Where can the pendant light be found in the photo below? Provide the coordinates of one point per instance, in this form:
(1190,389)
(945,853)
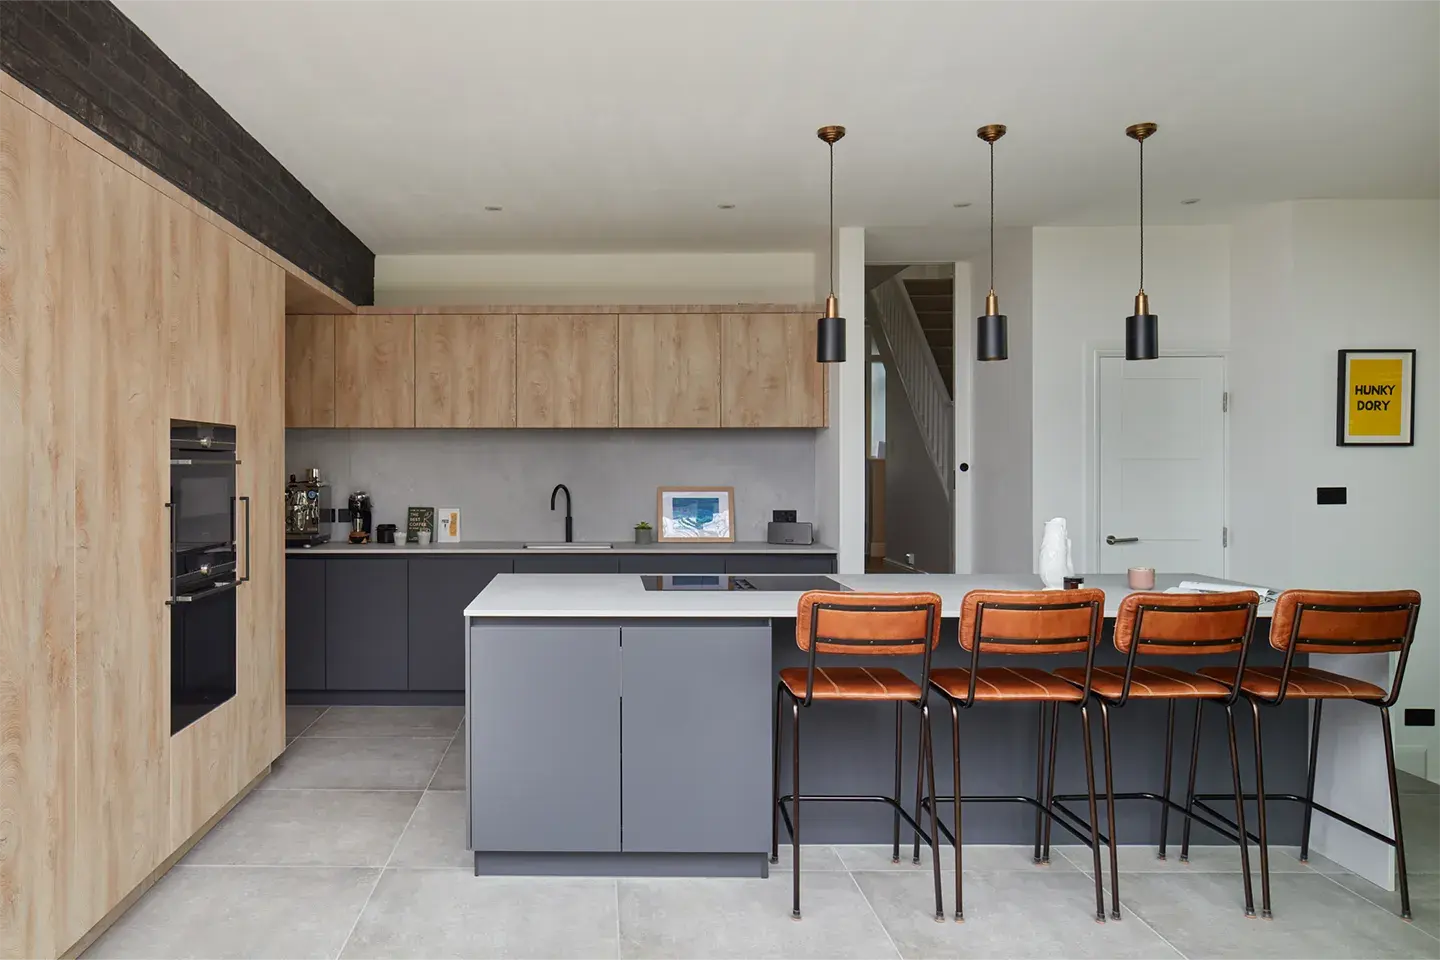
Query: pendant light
(1142,331)
(992,341)
(830,339)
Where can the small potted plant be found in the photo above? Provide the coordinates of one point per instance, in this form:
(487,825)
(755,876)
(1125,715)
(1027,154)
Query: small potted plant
(644,533)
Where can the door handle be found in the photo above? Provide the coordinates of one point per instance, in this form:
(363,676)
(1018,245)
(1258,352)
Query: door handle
(1112,539)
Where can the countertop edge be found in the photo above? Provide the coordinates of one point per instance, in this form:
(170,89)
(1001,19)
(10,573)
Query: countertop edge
(342,549)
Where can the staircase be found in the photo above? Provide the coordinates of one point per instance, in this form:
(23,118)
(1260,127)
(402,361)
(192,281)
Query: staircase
(934,303)
(908,352)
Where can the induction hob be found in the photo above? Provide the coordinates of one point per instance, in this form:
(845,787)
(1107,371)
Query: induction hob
(765,582)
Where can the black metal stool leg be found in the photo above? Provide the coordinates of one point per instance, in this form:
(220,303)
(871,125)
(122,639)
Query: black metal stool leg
(1110,810)
(1190,788)
(1094,814)
(1165,791)
(955,758)
(921,799)
(1260,811)
(1239,804)
(1050,782)
(1039,775)
(929,761)
(1310,784)
(795,804)
(899,751)
(1401,876)
(775,779)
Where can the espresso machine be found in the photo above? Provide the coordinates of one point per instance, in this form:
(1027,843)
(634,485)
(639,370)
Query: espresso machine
(307,510)
(361,512)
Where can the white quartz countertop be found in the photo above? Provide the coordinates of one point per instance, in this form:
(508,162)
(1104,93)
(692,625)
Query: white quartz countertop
(620,595)
(344,548)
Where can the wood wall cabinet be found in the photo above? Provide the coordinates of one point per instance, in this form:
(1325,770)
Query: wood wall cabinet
(670,370)
(465,370)
(566,370)
(375,371)
(310,371)
(769,377)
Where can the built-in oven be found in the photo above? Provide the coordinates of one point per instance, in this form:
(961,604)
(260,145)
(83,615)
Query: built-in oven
(205,514)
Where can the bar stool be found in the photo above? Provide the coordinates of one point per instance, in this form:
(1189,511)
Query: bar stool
(1173,625)
(1023,623)
(858,624)
(1329,622)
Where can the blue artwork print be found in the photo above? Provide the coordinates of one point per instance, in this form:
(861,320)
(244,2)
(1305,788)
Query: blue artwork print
(694,513)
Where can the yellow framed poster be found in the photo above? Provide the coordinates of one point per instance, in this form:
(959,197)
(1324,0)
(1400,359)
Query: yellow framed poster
(1376,403)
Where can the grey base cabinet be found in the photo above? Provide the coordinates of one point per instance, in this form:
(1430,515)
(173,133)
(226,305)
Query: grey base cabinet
(780,563)
(365,624)
(695,749)
(544,727)
(304,624)
(439,590)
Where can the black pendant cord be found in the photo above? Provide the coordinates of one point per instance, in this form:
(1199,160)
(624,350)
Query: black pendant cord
(1142,216)
(992,216)
(832,219)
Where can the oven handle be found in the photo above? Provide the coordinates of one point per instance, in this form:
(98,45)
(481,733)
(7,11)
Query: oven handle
(221,587)
(246,577)
(216,461)
(174,550)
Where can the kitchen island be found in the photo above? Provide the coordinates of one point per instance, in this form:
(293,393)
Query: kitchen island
(619,730)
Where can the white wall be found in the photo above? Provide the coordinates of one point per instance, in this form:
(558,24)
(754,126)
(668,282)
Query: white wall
(1084,283)
(840,447)
(618,278)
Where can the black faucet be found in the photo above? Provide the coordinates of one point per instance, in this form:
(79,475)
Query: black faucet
(569,521)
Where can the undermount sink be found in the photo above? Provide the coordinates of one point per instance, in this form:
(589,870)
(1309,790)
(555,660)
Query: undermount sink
(560,545)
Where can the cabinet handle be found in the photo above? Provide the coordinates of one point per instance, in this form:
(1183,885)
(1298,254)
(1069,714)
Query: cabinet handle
(174,548)
(246,577)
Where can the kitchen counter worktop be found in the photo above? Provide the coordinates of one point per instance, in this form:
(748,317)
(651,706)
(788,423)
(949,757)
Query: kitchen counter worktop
(623,595)
(344,548)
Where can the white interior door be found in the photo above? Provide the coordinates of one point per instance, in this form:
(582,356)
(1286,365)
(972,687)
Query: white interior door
(1162,465)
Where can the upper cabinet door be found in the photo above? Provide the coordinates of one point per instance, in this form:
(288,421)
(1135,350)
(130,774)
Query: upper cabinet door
(309,371)
(566,370)
(670,370)
(375,371)
(464,371)
(769,377)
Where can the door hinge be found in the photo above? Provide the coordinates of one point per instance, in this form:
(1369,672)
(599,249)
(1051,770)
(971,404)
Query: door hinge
(1224,536)
(1225,402)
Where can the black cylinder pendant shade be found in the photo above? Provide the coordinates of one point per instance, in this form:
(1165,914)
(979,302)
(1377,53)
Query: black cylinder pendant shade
(1142,337)
(830,340)
(992,339)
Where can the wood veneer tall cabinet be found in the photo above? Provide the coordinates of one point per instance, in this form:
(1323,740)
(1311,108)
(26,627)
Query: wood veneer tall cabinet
(309,371)
(465,370)
(566,370)
(120,309)
(768,373)
(375,370)
(670,370)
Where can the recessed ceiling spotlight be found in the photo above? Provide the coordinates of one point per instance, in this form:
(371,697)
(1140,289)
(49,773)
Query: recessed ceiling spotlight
(493,209)
(962,205)
(725,206)
(1191,201)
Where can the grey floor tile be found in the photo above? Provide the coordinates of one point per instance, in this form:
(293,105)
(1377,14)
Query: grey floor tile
(1409,783)
(383,763)
(1424,898)
(748,918)
(447,913)
(1420,818)
(1220,858)
(339,828)
(813,856)
(299,719)
(1008,913)
(241,912)
(388,722)
(435,836)
(451,775)
(1202,916)
(976,856)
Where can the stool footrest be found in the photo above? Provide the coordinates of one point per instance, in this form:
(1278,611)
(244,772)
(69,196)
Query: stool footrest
(998,798)
(852,798)
(1294,798)
(1228,834)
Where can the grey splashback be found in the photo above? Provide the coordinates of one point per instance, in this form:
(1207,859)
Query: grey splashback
(501,479)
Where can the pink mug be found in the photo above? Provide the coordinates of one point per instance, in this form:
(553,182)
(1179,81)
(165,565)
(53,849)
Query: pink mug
(1142,578)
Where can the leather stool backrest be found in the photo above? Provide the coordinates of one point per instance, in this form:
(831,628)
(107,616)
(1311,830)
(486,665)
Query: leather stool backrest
(1334,621)
(892,624)
(1031,621)
(1185,624)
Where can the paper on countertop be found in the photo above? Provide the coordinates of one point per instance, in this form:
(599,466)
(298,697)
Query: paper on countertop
(1200,586)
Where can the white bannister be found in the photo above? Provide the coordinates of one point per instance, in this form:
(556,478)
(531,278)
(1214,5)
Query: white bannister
(903,346)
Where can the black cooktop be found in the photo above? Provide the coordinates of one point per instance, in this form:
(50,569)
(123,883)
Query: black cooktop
(767,582)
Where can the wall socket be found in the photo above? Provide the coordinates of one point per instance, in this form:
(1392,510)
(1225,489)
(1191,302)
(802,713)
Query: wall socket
(1419,717)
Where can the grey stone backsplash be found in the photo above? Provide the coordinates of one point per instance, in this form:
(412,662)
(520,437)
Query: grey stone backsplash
(501,479)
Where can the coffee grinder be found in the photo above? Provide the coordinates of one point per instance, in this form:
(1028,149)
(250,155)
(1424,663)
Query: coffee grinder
(360,516)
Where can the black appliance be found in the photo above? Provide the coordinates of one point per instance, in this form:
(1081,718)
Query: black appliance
(768,583)
(361,514)
(204,567)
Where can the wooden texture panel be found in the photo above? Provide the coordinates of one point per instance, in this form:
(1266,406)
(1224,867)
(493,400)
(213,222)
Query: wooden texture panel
(122,473)
(375,371)
(769,377)
(566,370)
(310,371)
(670,370)
(465,371)
(203,280)
(40,224)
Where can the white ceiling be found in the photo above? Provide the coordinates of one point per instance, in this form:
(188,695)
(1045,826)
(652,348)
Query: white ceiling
(603,126)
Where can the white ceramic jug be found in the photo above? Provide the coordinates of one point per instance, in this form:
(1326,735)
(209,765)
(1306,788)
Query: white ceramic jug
(1055,563)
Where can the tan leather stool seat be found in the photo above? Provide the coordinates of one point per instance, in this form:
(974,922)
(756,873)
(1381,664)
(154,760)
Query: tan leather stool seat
(1005,683)
(1150,683)
(1306,683)
(852,683)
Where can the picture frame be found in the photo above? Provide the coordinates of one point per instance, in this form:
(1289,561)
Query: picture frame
(447,524)
(1375,398)
(695,514)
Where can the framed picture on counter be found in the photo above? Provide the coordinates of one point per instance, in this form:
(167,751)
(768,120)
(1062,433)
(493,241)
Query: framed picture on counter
(447,520)
(1376,402)
(695,514)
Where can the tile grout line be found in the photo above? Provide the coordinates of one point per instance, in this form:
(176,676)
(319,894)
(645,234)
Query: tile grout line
(873,912)
(619,952)
(1381,906)
(436,772)
(323,711)
(380,874)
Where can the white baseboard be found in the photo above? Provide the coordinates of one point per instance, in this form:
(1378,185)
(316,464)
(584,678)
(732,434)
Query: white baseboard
(1411,759)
